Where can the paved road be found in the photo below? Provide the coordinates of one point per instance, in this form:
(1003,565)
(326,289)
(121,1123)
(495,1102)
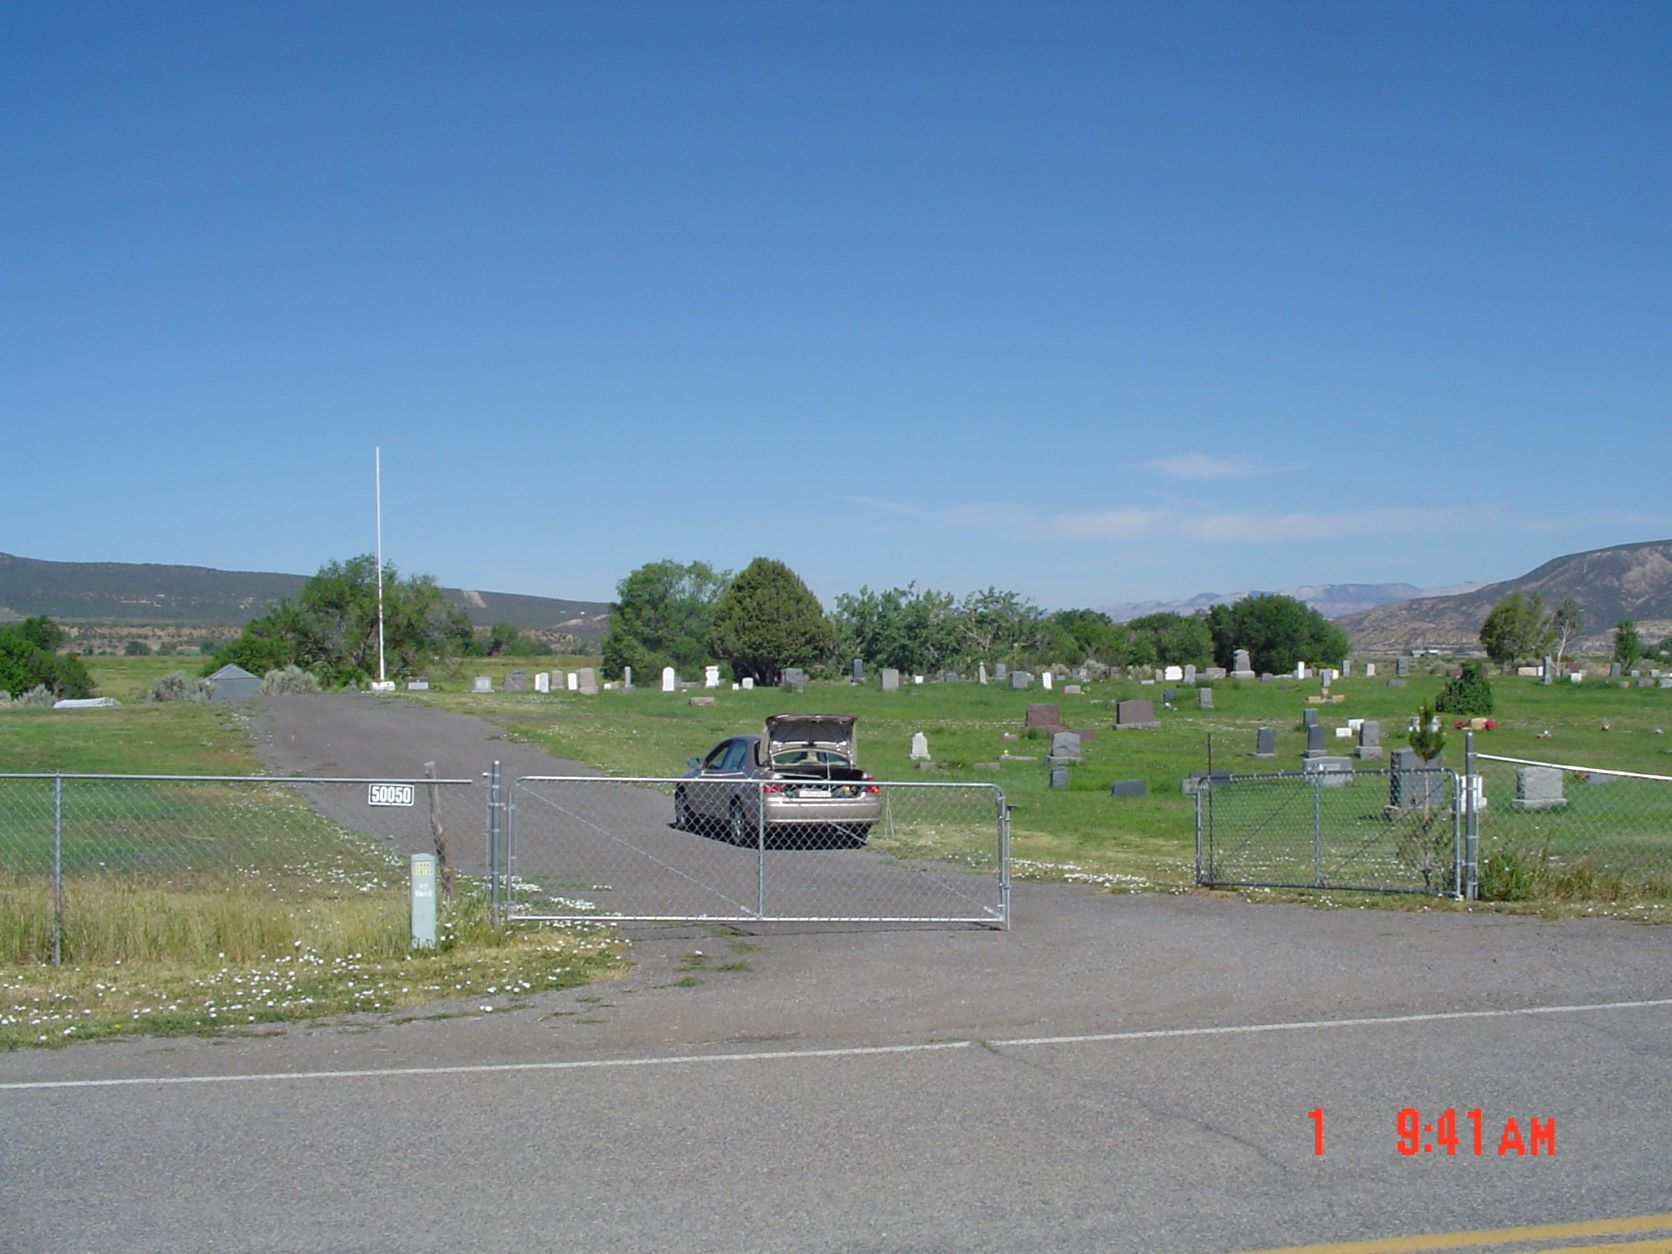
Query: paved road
(1117,1073)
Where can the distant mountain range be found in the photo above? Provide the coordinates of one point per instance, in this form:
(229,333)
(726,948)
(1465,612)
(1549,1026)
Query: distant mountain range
(124,594)
(1626,581)
(1332,600)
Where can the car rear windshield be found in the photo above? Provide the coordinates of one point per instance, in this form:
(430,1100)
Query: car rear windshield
(810,757)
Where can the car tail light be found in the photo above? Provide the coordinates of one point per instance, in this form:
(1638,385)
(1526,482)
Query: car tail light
(772,788)
(873,789)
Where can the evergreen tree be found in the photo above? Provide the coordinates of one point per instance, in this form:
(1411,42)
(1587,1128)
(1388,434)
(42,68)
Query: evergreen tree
(767,619)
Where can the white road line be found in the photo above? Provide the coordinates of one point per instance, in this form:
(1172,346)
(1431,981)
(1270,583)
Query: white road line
(858,1051)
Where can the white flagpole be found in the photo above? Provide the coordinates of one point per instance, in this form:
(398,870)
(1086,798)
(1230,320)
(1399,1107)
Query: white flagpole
(377,455)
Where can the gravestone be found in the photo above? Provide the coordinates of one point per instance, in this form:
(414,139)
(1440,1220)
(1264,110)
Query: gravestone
(1329,772)
(670,680)
(981,673)
(1065,748)
(1135,715)
(1370,670)
(482,684)
(1615,670)
(573,681)
(1080,674)
(1045,679)
(586,681)
(949,677)
(1059,777)
(1346,668)
(1317,737)
(1189,674)
(1204,698)
(542,681)
(1538,788)
(795,679)
(627,678)
(1020,679)
(1414,783)
(1000,671)
(1243,668)
(702,701)
(1169,694)
(1215,672)
(1309,716)
(417,685)
(1549,671)
(1398,683)
(748,683)
(1044,716)
(1301,671)
(918,680)
(856,672)
(890,679)
(1172,674)
(1128,788)
(516,681)
(1402,667)
(1265,743)
(919,747)
(711,677)
(1369,741)
(1074,690)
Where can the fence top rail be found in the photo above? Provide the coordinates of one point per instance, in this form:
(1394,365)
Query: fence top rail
(692,779)
(1585,770)
(1259,776)
(234,779)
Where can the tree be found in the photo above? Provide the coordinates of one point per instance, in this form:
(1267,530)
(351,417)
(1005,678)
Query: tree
(1426,737)
(661,617)
(1470,693)
(995,623)
(331,628)
(136,648)
(1566,624)
(29,659)
(1627,647)
(765,620)
(1517,626)
(1172,639)
(1278,631)
(903,628)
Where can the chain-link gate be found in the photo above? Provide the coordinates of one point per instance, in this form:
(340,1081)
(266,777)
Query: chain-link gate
(1392,830)
(683,850)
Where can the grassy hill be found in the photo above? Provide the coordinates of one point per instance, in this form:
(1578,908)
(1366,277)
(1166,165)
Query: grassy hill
(134,595)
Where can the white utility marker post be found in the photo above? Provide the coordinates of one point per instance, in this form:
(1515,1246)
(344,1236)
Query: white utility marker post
(423,901)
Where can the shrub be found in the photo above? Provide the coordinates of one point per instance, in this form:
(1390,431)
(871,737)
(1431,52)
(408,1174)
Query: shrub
(288,679)
(1427,738)
(1469,693)
(39,697)
(136,648)
(177,686)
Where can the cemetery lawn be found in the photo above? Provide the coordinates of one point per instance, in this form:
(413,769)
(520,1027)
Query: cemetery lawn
(1082,833)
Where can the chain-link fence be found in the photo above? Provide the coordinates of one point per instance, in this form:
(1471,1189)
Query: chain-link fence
(1394,830)
(88,856)
(745,851)
(1547,830)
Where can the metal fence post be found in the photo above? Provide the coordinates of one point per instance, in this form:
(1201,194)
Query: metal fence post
(57,870)
(1197,799)
(493,843)
(1317,832)
(1469,874)
(1004,861)
(760,851)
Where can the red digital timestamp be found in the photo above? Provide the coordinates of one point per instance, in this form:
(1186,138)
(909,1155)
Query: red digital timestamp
(1470,1133)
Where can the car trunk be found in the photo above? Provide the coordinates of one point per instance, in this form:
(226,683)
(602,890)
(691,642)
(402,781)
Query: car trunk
(816,734)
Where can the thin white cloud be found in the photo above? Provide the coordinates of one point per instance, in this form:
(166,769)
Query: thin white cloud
(1200,466)
(1170,522)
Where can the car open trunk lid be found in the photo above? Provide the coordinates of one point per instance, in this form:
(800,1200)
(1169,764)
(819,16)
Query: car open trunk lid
(810,731)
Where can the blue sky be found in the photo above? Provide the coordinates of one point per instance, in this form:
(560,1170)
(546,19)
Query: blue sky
(1094,302)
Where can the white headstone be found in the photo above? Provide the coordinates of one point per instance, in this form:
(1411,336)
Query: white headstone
(1370,670)
(483,684)
(917,679)
(1301,672)
(1173,674)
(573,680)
(1045,678)
(711,677)
(670,680)
(748,683)
(542,681)
(981,672)
(919,747)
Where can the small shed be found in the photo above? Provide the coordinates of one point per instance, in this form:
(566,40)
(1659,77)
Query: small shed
(232,683)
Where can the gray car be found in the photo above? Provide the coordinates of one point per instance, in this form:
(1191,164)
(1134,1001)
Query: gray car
(799,776)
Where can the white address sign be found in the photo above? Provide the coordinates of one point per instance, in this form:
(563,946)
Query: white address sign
(391,794)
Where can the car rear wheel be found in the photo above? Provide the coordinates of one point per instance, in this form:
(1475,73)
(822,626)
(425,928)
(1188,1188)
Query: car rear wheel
(738,830)
(683,819)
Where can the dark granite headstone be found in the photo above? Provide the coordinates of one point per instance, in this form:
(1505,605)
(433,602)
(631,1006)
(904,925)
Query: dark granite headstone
(1204,698)
(1042,715)
(856,672)
(1414,783)
(1265,743)
(1317,744)
(1136,713)
(795,679)
(1059,777)
(1128,788)
(516,681)
(1309,717)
